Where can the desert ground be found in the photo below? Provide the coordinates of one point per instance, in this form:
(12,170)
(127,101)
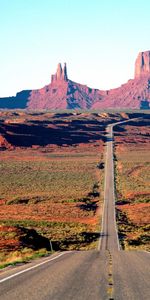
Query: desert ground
(132,167)
(52,181)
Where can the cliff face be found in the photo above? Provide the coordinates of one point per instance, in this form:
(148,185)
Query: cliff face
(134,94)
(19,101)
(63,93)
(142,64)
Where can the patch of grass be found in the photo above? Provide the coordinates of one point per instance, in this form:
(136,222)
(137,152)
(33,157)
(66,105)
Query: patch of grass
(21,256)
(56,180)
(127,182)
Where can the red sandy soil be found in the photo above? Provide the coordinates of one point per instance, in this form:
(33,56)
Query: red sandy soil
(39,154)
(133,195)
(136,171)
(9,243)
(132,139)
(51,212)
(138,213)
(15,238)
(135,136)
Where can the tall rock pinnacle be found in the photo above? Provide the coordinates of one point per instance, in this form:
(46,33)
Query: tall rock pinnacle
(61,73)
(64,73)
(142,64)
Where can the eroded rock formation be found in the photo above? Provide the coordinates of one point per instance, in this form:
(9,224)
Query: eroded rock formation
(61,74)
(142,64)
(63,93)
(4,143)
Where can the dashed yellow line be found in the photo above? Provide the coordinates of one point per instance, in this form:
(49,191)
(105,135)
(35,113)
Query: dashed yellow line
(110,288)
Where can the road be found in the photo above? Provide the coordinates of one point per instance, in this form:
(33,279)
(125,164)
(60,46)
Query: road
(106,273)
(74,275)
(129,270)
(109,237)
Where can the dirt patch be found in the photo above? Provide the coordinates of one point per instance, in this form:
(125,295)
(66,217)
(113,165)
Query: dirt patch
(138,213)
(134,195)
(120,166)
(136,170)
(54,212)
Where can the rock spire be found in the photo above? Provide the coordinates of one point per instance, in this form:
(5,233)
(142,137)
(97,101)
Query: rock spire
(61,73)
(142,64)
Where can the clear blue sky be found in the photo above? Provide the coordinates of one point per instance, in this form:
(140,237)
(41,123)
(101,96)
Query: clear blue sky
(99,40)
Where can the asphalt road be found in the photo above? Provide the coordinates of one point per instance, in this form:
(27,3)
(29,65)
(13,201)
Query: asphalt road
(76,275)
(131,275)
(109,237)
(106,273)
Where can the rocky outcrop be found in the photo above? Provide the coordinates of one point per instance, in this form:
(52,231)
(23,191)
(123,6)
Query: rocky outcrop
(134,94)
(142,64)
(63,93)
(4,144)
(81,96)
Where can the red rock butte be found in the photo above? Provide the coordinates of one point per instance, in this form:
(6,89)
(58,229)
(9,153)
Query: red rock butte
(63,93)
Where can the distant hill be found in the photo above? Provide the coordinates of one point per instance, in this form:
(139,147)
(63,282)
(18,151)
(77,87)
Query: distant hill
(63,93)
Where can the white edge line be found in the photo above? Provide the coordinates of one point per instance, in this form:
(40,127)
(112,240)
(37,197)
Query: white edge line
(33,267)
(114,198)
(112,125)
(104,203)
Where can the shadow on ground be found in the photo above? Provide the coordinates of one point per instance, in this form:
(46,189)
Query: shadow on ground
(76,242)
(56,132)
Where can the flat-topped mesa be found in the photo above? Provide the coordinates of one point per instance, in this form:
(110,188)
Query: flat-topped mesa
(142,64)
(61,74)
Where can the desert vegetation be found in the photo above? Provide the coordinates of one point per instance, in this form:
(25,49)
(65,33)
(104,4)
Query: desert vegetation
(51,182)
(132,183)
